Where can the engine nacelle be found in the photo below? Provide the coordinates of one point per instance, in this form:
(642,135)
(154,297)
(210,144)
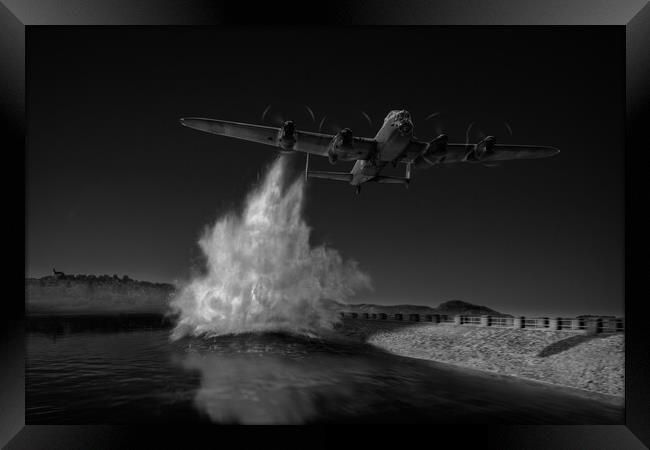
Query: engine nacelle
(484,148)
(341,145)
(287,138)
(436,151)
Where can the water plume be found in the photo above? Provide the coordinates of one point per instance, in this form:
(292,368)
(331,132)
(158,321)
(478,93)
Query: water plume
(261,273)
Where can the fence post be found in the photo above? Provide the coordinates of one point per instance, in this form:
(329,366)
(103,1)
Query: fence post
(575,324)
(457,319)
(518,322)
(554,324)
(593,325)
(485,321)
(619,325)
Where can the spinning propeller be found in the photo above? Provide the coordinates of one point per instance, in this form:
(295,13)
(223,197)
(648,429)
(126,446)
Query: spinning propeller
(438,125)
(327,124)
(278,118)
(474,135)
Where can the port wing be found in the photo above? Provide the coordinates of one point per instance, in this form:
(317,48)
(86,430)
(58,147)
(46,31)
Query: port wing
(500,152)
(452,152)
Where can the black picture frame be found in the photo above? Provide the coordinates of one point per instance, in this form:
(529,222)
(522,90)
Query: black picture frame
(17,16)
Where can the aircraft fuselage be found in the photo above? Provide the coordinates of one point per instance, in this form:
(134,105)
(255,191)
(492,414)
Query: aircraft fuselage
(392,139)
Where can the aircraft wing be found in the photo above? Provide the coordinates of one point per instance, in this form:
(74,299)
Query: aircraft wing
(458,152)
(414,149)
(244,131)
(318,144)
(501,152)
(306,141)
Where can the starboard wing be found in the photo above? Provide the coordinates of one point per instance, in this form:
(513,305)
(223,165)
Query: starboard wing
(254,133)
(306,141)
(318,144)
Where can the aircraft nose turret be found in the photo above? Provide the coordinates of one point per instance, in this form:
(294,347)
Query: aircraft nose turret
(406,127)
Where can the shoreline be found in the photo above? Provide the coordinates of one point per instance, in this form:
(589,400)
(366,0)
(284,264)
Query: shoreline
(592,365)
(617,400)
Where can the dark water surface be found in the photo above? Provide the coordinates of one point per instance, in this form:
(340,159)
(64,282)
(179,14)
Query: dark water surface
(132,376)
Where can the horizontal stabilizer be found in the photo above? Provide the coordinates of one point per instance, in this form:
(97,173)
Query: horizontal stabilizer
(386,179)
(339,176)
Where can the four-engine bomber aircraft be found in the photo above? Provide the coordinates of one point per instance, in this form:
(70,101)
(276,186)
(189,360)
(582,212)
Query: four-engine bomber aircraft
(393,143)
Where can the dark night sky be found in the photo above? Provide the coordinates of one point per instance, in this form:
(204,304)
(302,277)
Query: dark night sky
(116,185)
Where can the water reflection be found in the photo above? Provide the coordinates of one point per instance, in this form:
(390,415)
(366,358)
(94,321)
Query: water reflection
(262,379)
(236,389)
(277,379)
(140,376)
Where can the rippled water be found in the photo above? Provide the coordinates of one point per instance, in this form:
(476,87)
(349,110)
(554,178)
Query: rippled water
(140,376)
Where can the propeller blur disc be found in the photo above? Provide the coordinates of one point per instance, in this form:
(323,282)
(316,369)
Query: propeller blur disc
(311,113)
(266,110)
(367,117)
(469,129)
(322,122)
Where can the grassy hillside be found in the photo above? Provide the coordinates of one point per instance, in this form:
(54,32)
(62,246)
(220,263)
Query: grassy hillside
(451,308)
(89,294)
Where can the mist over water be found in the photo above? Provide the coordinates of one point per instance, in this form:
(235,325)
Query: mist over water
(261,272)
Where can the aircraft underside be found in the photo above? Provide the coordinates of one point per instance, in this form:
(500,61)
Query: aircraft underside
(393,144)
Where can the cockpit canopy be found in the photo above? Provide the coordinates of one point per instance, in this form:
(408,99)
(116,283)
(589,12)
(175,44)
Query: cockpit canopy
(398,115)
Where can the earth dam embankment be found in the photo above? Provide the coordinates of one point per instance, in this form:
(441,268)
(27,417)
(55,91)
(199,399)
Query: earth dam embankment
(593,363)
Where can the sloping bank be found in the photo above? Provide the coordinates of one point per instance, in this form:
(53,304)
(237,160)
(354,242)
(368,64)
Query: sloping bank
(593,363)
